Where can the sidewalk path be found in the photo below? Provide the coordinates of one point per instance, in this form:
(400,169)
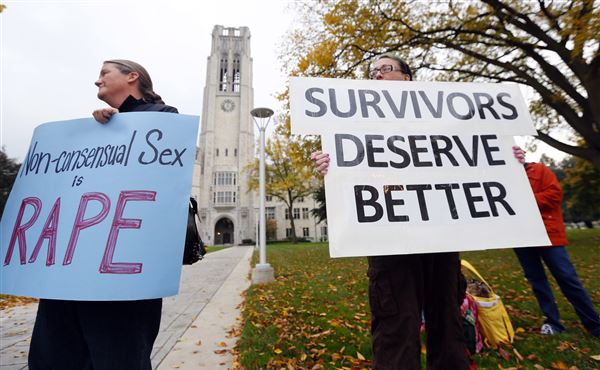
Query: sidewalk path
(220,277)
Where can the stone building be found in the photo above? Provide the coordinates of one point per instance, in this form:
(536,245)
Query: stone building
(227,210)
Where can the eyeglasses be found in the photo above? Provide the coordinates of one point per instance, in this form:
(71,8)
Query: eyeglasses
(386,68)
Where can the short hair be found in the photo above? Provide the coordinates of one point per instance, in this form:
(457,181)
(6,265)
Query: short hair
(404,68)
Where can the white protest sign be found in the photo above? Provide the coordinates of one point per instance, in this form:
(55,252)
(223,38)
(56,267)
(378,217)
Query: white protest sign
(422,184)
(382,201)
(318,104)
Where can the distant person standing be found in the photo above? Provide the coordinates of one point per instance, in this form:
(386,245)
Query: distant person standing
(548,195)
(102,335)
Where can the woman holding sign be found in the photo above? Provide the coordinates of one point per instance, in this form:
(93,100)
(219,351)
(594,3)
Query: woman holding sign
(402,287)
(103,335)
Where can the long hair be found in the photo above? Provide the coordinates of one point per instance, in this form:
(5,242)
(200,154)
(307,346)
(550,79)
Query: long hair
(144,80)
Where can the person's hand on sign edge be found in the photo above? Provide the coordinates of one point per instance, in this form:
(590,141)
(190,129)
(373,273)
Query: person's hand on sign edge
(102,115)
(519,154)
(321,162)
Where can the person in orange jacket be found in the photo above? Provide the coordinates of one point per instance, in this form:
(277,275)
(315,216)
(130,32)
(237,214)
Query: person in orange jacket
(548,195)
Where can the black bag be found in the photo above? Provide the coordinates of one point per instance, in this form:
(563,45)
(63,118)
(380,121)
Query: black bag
(194,249)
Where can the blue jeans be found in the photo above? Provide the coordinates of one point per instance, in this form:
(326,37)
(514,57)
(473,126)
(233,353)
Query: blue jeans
(558,262)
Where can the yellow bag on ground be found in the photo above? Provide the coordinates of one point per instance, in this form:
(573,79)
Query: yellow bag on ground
(494,323)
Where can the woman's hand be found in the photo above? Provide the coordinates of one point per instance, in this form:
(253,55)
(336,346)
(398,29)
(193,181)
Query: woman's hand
(103,115)
(321,162)
(519,154)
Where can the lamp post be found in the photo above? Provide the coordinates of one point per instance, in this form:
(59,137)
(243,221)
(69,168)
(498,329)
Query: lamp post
(263,272)
(256,209)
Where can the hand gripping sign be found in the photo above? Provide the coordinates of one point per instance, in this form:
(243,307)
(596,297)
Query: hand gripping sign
(98,212)
(420,167)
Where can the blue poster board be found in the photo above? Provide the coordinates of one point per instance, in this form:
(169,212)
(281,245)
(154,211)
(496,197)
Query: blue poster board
(99,211)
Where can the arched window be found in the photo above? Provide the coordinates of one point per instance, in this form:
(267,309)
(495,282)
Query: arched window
(223,74)
(237,78)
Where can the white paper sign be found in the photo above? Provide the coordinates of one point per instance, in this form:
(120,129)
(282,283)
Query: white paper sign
(427,183)
(318,104)
(383,201)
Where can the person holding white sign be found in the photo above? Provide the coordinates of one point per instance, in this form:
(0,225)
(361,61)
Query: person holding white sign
(103,335)
(402,287)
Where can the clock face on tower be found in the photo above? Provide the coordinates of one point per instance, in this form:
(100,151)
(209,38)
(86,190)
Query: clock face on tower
(227,105)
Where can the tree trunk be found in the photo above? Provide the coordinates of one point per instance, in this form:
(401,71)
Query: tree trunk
(292,225)
(596,159)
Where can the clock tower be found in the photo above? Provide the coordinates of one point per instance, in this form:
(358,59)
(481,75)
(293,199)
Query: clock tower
(226,146)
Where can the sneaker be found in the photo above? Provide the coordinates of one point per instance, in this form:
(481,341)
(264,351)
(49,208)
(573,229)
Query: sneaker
(547,329)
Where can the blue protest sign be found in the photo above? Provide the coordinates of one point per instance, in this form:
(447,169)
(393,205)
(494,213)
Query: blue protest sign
(99,212)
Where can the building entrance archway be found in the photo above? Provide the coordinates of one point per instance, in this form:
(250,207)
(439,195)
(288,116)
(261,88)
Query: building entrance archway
(224,231)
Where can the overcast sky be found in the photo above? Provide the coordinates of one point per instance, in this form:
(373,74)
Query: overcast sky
(51,53)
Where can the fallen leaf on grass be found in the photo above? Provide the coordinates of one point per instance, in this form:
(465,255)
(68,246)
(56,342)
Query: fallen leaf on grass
(595,357)
(8,301)
(532,357)
(563,345)
(559,365)
(517,354)
(278,351)
(360,356)
(505,355)
(539,367)
(326,332)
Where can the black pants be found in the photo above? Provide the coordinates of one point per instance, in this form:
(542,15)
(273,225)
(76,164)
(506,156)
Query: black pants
(86,335)
(400,289)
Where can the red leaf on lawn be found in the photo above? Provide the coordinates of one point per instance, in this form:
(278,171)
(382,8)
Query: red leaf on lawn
(505,355)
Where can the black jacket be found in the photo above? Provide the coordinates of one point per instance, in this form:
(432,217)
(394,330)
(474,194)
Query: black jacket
(132,104)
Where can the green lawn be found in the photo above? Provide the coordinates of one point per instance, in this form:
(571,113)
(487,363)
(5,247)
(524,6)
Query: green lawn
(211,248)
(317,312)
